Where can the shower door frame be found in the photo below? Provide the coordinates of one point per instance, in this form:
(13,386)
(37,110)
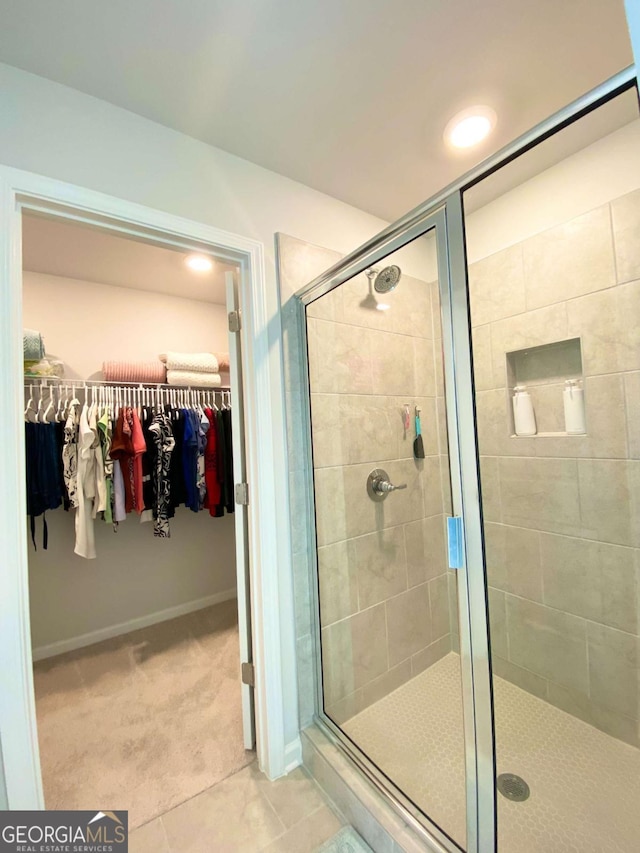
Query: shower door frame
(445,213)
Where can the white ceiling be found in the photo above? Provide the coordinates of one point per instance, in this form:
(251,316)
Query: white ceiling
(347,96)
(71,250)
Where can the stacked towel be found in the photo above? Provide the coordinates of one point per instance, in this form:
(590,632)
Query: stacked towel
(193,378)
(32,344)
(133,371)
(200,369)
(199,358)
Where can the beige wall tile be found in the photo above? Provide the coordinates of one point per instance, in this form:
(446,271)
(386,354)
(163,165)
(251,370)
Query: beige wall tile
(362,515)
(609,492)
(338,581)
(614,669)
(548,408)
(540,493)
(482,358)
(632,400)
(392,363)
(370,427)
(606,423)
(359,309)
(425,548)
(408,623)
(579,705)
(439,602)
(432,486)
(625,214)
(522,678)
(354,652)
(426,384)
(330,443)
(410,307)
(381,565)
(606,322)
(387,683)
(498,622)
(340,361)
(495,426)
(547,642)
(454,616)
(569,260)
(535,328)
(436,310)
(490,486)
(513,560)
(590,579)
(331,522)
(346,708)
(431,654)
(496,286)
(300,262)
(298,498)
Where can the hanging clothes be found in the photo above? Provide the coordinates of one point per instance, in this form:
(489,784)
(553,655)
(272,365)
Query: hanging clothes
(105,434)
(229,496)
(43,475)
(85,535)
(190,459)
(164,441)
(70,451)
(213,499)
(178,491)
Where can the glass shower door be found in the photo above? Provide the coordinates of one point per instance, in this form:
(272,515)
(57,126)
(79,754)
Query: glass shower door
(388,602)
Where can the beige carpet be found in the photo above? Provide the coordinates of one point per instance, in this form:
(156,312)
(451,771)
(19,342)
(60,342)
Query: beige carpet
(145,721)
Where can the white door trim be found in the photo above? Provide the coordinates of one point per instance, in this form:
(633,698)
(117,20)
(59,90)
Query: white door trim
(266,461)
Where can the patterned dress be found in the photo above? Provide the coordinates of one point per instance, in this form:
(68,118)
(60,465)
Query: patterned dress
(162,434)
(70,451)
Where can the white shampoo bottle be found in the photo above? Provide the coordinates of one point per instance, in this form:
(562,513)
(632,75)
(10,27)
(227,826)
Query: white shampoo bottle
(574,417)
(524,419)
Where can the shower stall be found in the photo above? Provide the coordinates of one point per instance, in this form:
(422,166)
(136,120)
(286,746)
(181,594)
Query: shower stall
(469,584)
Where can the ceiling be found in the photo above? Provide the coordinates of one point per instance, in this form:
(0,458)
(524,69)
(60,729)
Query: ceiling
(347,96)
(71,250)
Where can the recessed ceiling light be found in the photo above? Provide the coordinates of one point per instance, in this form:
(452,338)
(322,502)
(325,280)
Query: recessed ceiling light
(198,263)
(470,126)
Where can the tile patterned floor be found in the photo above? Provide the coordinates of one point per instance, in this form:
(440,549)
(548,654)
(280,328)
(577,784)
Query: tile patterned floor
(585,785)
(244,814)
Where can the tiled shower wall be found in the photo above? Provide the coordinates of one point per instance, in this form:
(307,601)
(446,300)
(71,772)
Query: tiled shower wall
(562,513)
(383,580)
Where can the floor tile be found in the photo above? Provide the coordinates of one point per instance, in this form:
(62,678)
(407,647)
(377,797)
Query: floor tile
(149,838)
(308,834)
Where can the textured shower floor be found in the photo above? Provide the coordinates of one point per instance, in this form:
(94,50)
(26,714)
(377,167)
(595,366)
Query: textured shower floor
(585,785)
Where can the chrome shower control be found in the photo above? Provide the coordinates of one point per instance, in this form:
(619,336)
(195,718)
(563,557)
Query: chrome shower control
(378,485)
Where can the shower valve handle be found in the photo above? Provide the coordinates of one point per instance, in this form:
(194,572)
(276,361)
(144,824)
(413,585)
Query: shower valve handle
(384,486)
(379,485)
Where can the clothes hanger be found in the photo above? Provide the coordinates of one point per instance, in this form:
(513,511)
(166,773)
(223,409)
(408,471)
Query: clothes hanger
(30,403)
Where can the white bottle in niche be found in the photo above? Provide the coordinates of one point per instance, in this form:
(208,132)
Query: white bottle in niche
(524,419)
(574,418)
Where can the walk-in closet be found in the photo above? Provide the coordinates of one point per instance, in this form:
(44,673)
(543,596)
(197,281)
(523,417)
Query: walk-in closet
(132,415)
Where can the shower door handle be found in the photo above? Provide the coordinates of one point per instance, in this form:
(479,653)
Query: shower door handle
(379,485)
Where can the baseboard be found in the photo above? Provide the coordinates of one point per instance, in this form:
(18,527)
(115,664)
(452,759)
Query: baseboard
(79,642)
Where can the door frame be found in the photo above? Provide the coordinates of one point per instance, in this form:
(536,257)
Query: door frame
(265,457)
(464,466)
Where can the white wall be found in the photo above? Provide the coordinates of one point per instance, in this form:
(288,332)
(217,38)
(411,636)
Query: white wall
(56,131)
(85,323)
(135,574)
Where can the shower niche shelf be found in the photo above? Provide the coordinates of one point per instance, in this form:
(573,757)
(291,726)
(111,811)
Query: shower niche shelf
(544,370)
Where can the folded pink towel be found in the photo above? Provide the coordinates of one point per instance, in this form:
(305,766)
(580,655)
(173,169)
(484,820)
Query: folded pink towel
(134,371)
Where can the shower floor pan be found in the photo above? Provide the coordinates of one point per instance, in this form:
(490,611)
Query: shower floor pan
(584,784)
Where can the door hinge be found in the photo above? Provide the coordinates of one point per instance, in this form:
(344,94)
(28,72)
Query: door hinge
(234,321)
(242,494)
(248,674)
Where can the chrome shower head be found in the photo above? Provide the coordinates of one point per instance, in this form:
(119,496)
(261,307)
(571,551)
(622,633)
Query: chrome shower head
(386,279)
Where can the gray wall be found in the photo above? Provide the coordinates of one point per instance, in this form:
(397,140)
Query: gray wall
(562,512)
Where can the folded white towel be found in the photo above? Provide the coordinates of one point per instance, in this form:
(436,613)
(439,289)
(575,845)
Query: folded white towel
(193,378)
(202,362)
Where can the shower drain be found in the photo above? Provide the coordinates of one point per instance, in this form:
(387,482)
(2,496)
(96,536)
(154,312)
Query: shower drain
(513,787)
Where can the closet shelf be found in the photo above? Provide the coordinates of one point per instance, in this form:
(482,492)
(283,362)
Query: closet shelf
(56,380)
